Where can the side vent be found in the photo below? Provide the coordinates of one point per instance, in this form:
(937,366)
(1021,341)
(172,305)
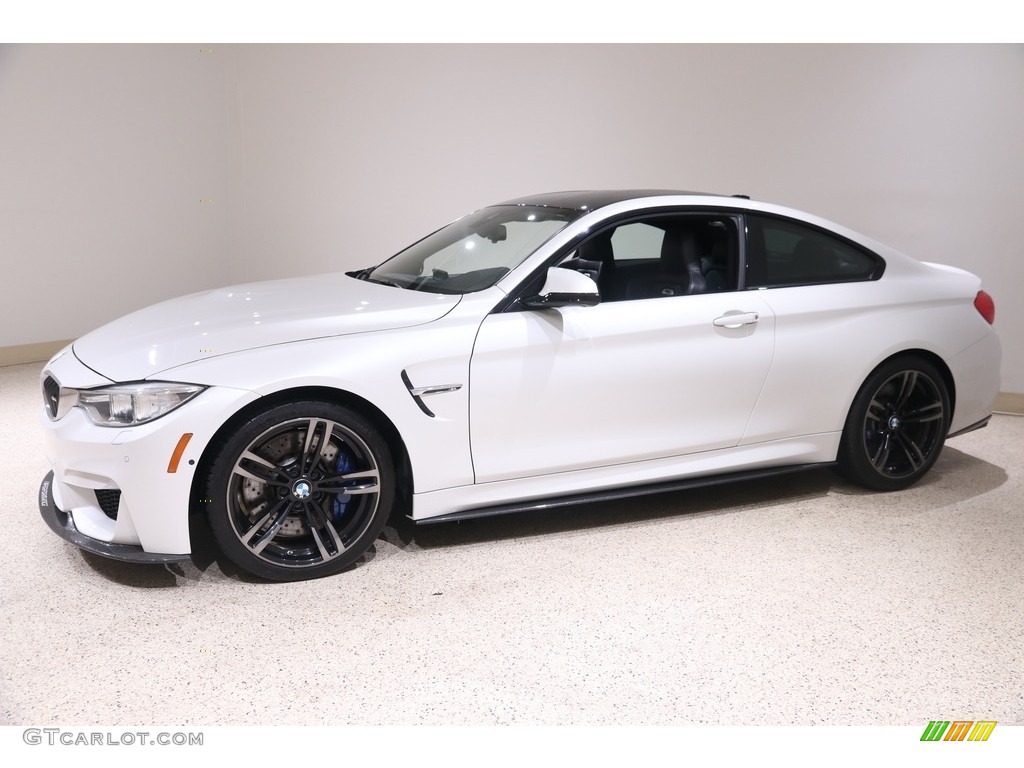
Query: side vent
(418,392)
(416,398)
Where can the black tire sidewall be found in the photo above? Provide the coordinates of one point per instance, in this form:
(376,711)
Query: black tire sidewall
(227,453)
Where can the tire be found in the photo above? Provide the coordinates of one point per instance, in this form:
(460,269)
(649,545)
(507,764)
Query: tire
(896,426)
(300,491)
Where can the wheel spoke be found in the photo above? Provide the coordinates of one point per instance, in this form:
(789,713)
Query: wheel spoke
(907,387)
(315,519)
(318,436)
(913,453)
(256,527)
(353,483)
(324,554)
(882,454)
(875,410)
(256,538)
(259,469)
(926,413)
(314,528)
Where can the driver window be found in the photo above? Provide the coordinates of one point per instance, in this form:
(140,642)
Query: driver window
(661,256)
(631,242)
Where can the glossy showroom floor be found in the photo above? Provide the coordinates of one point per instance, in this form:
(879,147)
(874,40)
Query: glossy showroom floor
(799,600)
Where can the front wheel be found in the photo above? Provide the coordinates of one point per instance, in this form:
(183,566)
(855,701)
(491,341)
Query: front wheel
(897,425)
(300,491)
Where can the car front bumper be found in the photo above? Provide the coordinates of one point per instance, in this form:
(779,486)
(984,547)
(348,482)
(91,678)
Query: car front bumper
(113,491)
(63,525)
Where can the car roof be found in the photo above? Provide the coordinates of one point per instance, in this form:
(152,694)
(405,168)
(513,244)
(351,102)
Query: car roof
(592,199)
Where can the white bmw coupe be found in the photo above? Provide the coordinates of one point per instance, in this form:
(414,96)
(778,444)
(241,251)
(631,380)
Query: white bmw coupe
(549,350)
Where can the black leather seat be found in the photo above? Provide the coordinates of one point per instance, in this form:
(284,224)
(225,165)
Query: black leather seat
(679,272)
(714,264)
(599,249)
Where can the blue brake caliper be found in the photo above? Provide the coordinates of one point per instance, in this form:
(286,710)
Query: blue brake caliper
(346,463)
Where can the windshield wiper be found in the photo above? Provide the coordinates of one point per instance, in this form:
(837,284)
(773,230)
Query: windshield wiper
(392,283)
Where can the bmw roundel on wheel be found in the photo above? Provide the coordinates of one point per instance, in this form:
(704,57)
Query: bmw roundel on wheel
(560,347)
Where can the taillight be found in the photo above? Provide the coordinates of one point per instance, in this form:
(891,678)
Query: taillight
(985,306)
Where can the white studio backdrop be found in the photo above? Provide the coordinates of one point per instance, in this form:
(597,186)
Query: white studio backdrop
(134,173)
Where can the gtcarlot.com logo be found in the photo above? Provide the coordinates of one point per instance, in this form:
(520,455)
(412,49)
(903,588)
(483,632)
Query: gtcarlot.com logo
(72,738)
(958,730)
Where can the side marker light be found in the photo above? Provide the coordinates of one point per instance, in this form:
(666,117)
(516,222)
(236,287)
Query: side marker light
(179,449)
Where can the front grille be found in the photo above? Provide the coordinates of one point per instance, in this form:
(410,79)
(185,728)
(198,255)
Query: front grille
(51,396)
(109,501)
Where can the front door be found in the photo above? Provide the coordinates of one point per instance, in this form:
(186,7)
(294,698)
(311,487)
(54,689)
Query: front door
(653,372)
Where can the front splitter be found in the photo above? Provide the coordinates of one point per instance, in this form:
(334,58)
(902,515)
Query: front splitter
(63,525)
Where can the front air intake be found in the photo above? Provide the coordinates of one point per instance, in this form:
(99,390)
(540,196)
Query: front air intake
(109,501)
(51,396)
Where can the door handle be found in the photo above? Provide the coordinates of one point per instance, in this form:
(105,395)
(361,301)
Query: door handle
(735,319)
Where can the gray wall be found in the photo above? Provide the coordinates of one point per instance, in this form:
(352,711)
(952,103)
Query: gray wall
(332,157)
(105,153)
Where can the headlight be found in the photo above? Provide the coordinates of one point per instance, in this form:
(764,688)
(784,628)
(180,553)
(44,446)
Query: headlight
(125,405)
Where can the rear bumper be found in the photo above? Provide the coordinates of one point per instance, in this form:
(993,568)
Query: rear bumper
(63,525)
(976,374)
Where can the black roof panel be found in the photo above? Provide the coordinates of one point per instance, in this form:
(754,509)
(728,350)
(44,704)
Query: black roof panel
(590,199)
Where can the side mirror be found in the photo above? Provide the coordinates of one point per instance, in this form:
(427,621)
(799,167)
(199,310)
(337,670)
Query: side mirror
(565,288)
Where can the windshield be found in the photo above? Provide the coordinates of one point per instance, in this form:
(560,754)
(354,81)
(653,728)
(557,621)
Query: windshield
(474,252)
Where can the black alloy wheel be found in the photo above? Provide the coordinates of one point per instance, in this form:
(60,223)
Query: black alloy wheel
(897,425)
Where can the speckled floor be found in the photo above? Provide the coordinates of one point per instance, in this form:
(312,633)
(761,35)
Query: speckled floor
(797,600)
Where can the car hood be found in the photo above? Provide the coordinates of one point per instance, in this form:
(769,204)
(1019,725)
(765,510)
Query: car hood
(226,320)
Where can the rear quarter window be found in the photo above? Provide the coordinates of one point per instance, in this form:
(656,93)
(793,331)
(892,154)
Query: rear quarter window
(781,252)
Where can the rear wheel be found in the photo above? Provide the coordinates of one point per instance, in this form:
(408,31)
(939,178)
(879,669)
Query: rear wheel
(301,490)
(897,425)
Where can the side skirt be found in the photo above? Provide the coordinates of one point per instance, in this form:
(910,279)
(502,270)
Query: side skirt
(614,494)
(976,425)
